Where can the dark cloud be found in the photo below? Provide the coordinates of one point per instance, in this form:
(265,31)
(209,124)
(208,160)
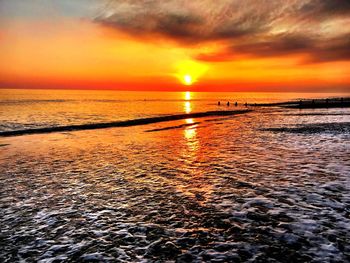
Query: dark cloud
(335,49)
(260,28)
(184,21)
(277,45)
(171,25)
(325,8)
(317,50)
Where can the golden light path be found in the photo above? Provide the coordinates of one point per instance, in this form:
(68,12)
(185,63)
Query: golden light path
(187,107)
(187,103)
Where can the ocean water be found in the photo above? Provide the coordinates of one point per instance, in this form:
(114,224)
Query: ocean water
(25,109)
(214,189)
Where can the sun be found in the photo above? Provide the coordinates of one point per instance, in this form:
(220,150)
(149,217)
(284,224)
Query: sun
(188,71)
(187,79)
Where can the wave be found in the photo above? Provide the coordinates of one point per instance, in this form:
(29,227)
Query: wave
(174,127)
(15,102)
(333,127)
(38,101)
(318,114)
(127,123)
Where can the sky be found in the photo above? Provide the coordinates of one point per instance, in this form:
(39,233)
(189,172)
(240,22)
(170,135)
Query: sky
(171,45)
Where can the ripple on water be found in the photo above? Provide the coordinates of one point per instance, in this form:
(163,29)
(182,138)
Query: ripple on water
(219,191)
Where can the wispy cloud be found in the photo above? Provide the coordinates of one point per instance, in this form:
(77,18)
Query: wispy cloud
(259,28)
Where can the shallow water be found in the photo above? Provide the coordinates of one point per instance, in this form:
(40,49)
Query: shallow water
(28,109)
(216,189)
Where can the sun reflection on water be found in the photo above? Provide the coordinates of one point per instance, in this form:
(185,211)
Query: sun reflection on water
(187,104)
(192,155)
(190,134)
(187,107)
(189,121)
(187,95)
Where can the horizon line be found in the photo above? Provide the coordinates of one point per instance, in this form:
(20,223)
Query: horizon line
(177,90)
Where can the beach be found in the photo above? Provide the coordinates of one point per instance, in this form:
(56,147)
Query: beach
(268,184)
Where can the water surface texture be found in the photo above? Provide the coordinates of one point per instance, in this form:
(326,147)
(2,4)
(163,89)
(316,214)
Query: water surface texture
(215,189)
(28,109)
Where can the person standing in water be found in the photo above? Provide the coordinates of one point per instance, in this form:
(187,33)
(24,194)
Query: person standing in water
(228,103)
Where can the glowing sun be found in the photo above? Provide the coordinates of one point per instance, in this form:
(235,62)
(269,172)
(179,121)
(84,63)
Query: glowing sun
(188,72)
(187,79)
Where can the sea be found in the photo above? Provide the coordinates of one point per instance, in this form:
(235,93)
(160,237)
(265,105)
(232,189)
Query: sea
(271,184)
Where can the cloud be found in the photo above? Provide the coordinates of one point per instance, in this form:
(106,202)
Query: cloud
(259,28)
(185,21)
(325,8)
(315,49)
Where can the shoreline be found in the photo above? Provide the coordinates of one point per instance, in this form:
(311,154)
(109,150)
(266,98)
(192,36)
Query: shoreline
(324,103)
(127,123)
(309,103)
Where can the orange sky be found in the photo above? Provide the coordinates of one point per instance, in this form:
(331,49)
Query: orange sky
(57,50)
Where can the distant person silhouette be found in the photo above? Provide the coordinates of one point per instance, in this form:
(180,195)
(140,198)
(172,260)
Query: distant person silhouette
(228,104)
(246,104)
(236,104)
(218,103)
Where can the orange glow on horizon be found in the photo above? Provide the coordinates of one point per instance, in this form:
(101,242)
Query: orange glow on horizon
(115,61)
